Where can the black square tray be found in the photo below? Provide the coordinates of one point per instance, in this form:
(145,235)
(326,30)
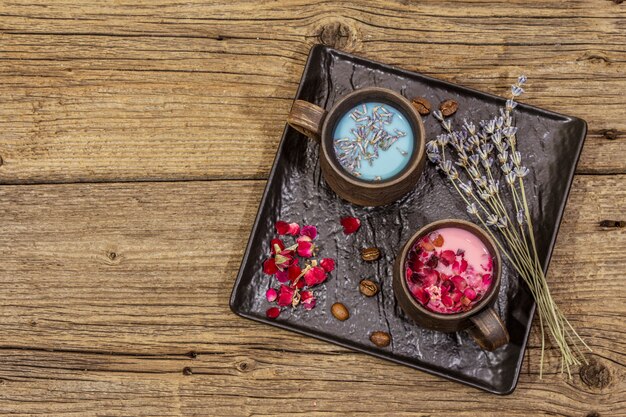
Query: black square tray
(550,143)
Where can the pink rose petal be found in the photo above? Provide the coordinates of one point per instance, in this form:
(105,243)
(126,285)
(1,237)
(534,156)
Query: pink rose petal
(285,296)
(294,229)
(305,249)
(282,276)
(272,312)
(447,257)
(307,299)
(350,225)
(310,231)
(282,228)
(269,266)
(314,276)
(470,294)
(271,295)
(328,264)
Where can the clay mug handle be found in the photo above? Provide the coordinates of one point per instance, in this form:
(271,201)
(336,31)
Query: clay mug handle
(488,330)
(307,118)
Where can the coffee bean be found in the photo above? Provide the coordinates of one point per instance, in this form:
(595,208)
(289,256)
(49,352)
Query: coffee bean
(380,339)
(448,107)
(370,254)
(368,288)
(340,312)
(422,105)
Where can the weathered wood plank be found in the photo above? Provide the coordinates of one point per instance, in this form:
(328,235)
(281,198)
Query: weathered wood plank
(127,279)
(154,91)
(249,382)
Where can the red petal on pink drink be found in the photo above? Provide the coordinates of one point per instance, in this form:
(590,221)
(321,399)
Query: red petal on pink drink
(447,257)
(272,313)
(459,282)
(470,293)
(487,280)
(447,300)
(350,225)
(421,295)
(458,267)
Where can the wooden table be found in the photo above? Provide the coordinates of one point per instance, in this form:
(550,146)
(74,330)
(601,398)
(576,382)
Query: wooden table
(135,142)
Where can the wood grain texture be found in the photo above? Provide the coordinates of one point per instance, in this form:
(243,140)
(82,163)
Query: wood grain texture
(116,303)
(152,90)
(115,295)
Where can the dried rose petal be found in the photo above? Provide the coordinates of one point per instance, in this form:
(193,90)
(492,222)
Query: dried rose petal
(271,295)
(314,276)
(305,248)
(486,279)
(269,266)
(429,277)
(350,225)
(300,284)
(447,300)
(470,294)
(294,229)
(285,296)
(282,228)
(273,245)
(293,273)
(307,299)
(438,240)
(426,244)
(447,257)
(433,262)
(409,274)
(284,259)
(310,231)
(421,295)
(282,276)
(459,267)
(328,264)
(272,312)
(459,282)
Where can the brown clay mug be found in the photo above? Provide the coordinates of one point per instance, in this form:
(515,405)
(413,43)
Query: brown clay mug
(320,125)
(481,321)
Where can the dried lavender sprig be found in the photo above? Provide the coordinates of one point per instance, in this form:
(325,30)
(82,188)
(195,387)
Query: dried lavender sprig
(501,132)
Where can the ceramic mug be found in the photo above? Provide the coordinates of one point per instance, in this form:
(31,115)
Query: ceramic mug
(481,321)
(320,125)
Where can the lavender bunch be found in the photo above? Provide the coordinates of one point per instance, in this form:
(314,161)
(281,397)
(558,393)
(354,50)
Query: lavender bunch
(481,162)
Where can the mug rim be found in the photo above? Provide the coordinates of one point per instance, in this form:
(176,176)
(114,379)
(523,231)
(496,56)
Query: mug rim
(419,139)
(478,232)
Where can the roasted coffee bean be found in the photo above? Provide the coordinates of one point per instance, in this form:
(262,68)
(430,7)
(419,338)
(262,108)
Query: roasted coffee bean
(340,312)
(422,105)
(368,288)
(370,254)
(380,339)
(448,107)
